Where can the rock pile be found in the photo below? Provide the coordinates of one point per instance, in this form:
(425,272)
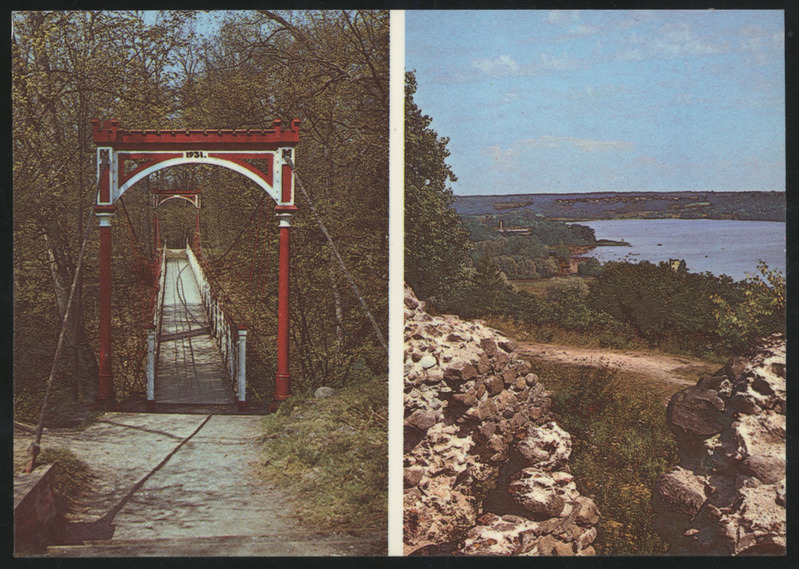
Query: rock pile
(727,495)
(486,467)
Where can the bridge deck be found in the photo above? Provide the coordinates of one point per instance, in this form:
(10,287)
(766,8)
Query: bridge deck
(190,368)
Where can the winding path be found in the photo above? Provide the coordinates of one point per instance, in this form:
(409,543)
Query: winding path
(681,371)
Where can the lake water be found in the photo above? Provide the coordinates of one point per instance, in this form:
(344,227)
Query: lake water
(719,246)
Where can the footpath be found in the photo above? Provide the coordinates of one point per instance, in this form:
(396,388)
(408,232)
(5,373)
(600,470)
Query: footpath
(182,485)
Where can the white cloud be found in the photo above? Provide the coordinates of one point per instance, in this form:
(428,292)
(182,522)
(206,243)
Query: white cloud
(506,66)
(562,17)
(502,65)
(582,144)
(674,40)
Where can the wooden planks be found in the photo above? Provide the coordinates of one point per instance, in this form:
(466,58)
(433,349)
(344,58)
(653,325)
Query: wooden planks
(190,369)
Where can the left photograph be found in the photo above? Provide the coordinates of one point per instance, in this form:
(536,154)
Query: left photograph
(200,283)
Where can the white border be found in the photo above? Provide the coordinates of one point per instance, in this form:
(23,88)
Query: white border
(396,279)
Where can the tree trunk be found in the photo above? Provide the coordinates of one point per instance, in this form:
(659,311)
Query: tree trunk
(84,370)
(338,307)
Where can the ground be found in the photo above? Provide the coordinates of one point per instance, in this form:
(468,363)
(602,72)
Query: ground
(181,485)
(670,372)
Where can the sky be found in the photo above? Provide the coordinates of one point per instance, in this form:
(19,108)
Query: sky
(588,101)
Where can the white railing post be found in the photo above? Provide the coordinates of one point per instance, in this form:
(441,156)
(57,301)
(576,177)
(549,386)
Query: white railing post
(242,367)
(151,367)
(231,339)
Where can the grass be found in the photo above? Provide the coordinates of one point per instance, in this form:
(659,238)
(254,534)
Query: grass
(620,444)
(333,453)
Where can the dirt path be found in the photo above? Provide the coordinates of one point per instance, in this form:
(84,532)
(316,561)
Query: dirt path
(182,485)
(660,368)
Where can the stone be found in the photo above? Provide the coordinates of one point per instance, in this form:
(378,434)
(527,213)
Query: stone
(695,411)
(507,344)
(588,513)
(547,447)
(421,419)
(483,364)
(325,392)
(427,361)
(680,491)
(489,346)
(460,371)
(537,493)
(767,469)
(586,538)
(500,361)
(412,476)
(467,398)
(465,413)
(485,410)
(509,375)
(494,385)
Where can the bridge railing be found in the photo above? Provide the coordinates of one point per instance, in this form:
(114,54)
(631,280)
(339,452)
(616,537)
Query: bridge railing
(232,338)
(154,329)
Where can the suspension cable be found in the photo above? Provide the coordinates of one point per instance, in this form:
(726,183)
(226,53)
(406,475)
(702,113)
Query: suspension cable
(236,240)
(35,446)
(378,333)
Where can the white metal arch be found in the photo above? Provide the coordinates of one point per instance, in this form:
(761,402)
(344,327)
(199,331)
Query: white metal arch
(272,190)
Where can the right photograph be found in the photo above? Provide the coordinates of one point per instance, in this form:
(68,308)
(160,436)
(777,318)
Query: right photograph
(595,260)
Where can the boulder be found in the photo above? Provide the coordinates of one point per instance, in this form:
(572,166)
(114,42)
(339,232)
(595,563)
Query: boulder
(695,411)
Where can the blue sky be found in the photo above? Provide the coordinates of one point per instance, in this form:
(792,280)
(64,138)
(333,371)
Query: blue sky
(586,101)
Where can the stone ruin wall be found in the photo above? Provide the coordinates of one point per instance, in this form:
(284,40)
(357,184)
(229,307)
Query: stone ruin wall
(486,466)
(727,494)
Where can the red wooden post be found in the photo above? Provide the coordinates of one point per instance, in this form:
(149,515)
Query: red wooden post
(283,376)
(105,381)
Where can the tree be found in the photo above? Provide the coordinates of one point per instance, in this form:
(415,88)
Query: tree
(67,68)
(661,303)
(330,70)
(436,243)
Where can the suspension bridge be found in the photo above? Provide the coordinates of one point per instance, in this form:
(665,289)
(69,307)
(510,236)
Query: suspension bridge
(161,493)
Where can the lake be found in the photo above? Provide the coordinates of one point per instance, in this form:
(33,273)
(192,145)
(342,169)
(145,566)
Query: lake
(719,246)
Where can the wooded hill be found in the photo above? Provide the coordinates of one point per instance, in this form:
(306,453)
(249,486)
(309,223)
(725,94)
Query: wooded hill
(755,206)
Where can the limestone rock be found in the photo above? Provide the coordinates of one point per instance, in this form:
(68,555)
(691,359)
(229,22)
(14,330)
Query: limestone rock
(479,434)
(727,495)
(325,392)
(695,411)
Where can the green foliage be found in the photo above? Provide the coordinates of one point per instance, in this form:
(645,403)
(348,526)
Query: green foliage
(590,268)
(72,476)
(660,303)
(620,444)
(334,453)
(436,244)
(760,313)
(67,68)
